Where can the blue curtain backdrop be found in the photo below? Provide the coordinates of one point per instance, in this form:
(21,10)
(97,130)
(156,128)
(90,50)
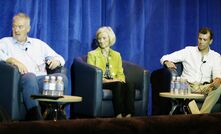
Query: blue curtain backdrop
(145,29)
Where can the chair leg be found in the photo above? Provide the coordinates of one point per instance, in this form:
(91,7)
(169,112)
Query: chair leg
(34,114)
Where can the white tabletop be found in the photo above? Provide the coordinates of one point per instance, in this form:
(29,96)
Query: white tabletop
(177,96)
(65,99)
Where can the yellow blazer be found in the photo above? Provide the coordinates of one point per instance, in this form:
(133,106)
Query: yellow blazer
(96,58)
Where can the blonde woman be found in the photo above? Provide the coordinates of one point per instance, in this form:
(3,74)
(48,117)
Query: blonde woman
(109,61)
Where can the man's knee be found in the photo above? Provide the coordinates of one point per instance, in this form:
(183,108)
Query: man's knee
(215,92)
(28,77)
(218,90)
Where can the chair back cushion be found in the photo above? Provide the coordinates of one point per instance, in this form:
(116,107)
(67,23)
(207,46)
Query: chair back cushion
(107,94)
(179,67)
(84,58)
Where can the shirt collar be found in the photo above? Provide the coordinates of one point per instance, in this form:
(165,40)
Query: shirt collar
(26,43)
(110,51)
(22,46)
(200,52)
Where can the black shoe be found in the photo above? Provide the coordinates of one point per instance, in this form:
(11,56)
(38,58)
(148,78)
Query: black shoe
(34,114)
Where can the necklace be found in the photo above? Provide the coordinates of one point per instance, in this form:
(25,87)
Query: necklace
(105,52)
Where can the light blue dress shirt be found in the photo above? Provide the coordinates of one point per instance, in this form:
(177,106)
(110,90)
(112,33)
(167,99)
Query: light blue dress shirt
(33,53)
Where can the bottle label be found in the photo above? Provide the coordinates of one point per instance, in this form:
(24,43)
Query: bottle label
(59,87)
(46,86)
(52,86)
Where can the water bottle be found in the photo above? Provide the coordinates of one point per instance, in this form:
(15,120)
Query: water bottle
(177,85)
(46,85)
(60,86)
(52,86)
(172,84)
(188,89)
(183,89)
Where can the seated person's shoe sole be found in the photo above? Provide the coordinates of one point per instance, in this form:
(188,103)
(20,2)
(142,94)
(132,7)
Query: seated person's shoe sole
(193,107)
(128,116)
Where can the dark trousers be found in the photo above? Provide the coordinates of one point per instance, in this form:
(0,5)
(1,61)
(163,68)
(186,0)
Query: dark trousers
(123,97)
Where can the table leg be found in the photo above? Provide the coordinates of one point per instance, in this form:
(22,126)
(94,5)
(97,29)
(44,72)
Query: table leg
(174,106)
(181,105)
(56,114)
(186,109)
(54,111)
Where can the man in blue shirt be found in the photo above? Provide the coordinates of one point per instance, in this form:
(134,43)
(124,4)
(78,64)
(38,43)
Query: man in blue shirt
(30,56)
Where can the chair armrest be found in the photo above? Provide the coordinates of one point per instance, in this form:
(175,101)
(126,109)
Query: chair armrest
(87,83)
(160,82)
(160,79)
(141,78)
(136,74)
(9,81)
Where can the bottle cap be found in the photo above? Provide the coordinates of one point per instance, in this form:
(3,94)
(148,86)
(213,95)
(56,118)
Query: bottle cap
(53,77)
(59,78)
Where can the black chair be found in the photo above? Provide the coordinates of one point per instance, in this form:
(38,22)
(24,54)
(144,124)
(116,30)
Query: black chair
(10,94)
(97,102)
(160,82)
(4,116)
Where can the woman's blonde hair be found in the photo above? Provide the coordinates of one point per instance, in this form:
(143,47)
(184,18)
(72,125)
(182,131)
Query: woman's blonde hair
(109,31)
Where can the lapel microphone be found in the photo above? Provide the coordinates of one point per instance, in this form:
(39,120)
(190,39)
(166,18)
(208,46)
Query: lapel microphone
(202,59)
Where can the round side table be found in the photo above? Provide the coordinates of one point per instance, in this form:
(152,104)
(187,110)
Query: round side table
(180,102)
(55,107)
